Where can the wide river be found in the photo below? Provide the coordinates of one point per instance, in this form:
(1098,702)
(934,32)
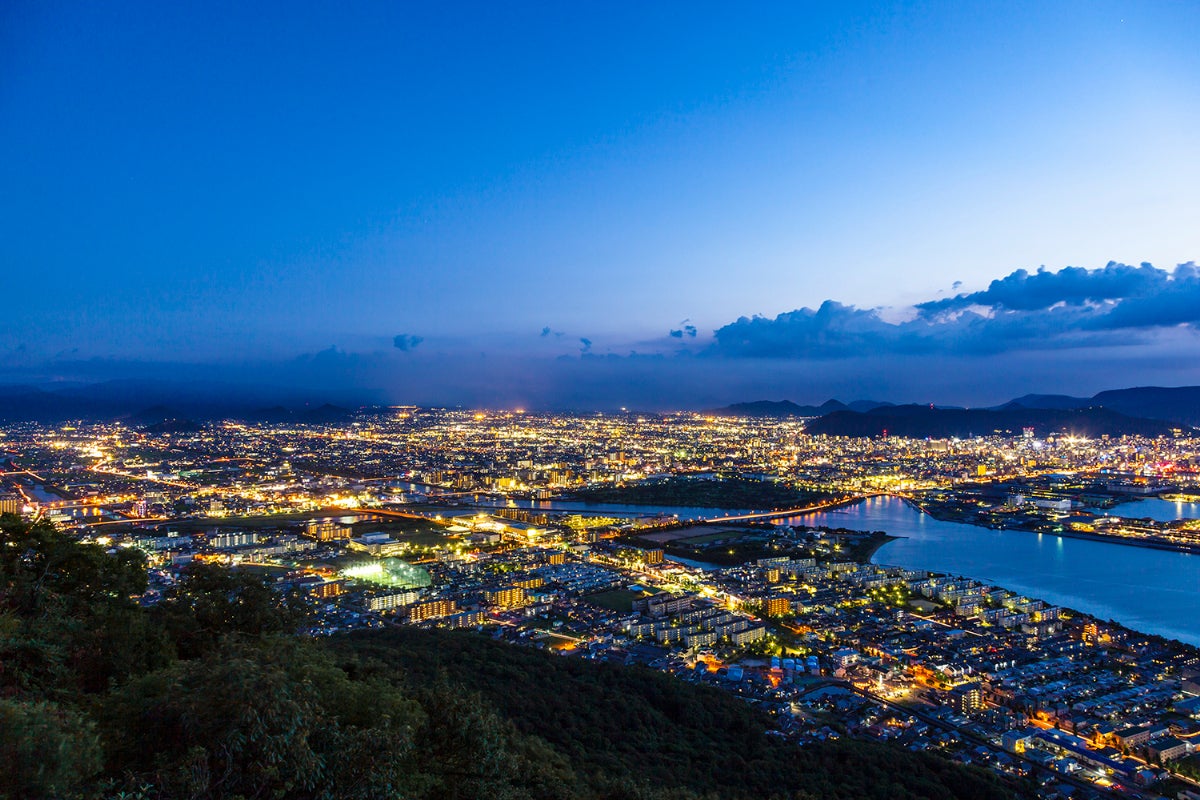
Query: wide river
(1154,591)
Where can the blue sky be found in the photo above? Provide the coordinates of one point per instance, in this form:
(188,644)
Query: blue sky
(402,198)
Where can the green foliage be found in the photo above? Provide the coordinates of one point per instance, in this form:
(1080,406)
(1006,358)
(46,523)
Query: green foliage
(69,622)
(210,602)
(274,718)
(732,492)
(40,566)
(621,728)
(1188,766)
(45,750)
(207,696)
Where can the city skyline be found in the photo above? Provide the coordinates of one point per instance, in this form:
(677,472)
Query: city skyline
(596,207)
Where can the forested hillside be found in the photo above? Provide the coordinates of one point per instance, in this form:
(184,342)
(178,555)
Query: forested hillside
(209,695)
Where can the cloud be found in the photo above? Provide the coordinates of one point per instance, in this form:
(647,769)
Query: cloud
(587,344)
(547,331)
(1022,291)
(406,341)
(684,329)
(1116,305)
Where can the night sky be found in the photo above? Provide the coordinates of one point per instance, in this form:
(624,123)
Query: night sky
(592,205)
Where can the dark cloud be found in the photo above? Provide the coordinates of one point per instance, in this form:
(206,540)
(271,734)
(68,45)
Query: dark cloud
(406,341)
(587,344)
(1114,306)
(684,329)
(1173,302)
(547,331)
(1022,291)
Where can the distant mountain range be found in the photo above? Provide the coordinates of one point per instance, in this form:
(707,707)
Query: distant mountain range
(178,407)
(165,407)
(1148,411)
(919,422)
(781,409)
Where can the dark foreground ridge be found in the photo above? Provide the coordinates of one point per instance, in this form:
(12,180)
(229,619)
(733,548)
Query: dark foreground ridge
(209,694)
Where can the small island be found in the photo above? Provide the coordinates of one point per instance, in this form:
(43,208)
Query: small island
(703,492)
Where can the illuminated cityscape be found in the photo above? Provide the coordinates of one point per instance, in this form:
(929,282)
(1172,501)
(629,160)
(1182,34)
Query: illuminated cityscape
(569,401)
(489,520)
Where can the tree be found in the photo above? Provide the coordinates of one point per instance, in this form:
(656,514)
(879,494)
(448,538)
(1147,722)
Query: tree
(69,620)
(272,718)
(40,565)
(45,750)
(210,602)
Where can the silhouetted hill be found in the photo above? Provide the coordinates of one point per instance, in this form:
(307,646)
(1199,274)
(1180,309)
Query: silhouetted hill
(919,422)
(867,405)
(31,404)
(143,403)
(1059,401)
(155,415)
(173,426)
(780,409)
(323,414)
(1180,404)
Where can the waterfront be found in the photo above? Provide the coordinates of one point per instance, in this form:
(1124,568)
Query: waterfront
(1154,591)
(1154,508)
(685,513)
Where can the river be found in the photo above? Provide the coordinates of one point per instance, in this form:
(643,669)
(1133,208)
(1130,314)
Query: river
(1155,508)
(1154,591)
(685,513)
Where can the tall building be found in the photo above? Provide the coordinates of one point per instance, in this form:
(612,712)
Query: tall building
(432,610)
(967,698)
(326,530)
(777,606)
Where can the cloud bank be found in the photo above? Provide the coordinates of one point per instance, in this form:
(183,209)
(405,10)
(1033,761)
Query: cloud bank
(1076,331)
(1117,305)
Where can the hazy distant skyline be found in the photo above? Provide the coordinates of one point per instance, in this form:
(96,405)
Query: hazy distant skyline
(593,205)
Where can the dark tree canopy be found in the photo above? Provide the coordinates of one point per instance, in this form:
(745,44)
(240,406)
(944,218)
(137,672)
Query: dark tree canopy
(209,696)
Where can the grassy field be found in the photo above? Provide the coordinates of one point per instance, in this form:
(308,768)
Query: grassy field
(615,599)
(424,538)
(709,538)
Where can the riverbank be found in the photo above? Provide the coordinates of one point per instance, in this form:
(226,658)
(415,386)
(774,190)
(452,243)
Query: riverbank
(866,550)
(1144,588)
(1129,541)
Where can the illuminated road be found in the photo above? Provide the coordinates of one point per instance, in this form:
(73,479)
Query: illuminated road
(795,512)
